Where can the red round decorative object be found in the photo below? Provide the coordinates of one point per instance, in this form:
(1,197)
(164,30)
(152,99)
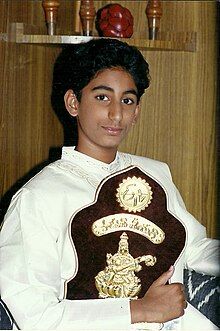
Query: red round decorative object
(114,20)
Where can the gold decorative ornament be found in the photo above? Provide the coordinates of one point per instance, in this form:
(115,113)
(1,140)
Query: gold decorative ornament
(134,194)
(128,222)
(118,279)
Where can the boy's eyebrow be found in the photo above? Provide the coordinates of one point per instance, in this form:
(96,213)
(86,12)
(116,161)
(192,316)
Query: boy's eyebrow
(102,87)
(107,88)
(132,91)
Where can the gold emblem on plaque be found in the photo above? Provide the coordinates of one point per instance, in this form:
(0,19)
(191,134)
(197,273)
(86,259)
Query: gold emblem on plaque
(134,194)
(118,279)
(128,222)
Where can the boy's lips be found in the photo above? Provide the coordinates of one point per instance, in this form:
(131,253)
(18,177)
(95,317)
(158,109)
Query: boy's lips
(112,130)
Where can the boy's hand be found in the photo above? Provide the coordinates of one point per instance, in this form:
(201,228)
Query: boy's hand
(161,303)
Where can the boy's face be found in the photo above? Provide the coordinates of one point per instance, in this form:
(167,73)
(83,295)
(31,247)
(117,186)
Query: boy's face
(106,111)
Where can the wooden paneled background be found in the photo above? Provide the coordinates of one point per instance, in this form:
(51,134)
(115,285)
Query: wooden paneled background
(178,120)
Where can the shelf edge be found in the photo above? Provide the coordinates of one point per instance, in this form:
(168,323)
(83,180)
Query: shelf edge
(16,34)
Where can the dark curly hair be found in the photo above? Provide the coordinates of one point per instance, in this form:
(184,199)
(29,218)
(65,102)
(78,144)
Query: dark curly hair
(78,64)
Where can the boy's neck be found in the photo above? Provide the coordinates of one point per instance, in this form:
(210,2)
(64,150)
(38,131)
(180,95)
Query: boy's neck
(106,156)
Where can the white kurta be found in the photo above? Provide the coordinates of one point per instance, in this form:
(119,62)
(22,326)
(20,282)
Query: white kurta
(37,257)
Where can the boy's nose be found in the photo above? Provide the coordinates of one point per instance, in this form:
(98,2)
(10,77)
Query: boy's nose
(115,112)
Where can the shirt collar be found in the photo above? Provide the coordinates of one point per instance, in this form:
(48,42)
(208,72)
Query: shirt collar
(70,154)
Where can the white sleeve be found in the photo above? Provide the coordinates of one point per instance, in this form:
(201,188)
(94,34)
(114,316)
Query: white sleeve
(30,277)
(202,254)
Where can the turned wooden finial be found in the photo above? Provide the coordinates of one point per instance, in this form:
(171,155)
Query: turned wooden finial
(87,15)
(51,9)
(154,13)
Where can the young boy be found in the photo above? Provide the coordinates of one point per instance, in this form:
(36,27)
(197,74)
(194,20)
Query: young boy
(98,239)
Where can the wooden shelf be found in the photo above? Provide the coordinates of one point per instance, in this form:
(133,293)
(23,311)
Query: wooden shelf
(22,34)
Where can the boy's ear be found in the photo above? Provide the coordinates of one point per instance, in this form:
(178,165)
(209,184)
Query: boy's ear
(71,103)
(136,114)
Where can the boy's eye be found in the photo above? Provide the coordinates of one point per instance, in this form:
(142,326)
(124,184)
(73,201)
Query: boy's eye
(102,97)
(128,101)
